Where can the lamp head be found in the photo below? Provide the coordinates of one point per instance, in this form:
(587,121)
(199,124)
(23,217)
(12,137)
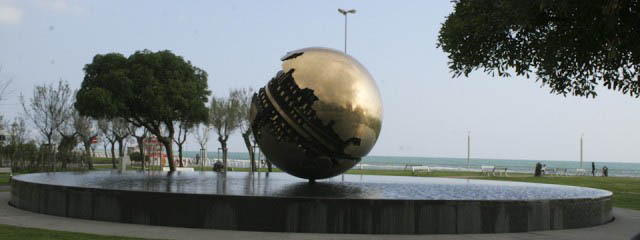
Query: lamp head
(345,12)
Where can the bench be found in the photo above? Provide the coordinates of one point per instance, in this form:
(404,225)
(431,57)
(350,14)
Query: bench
(410,166)
(488,170)
(550,171)
(561,171)
(417,169)
(6,170)
(580,172)
(502,171)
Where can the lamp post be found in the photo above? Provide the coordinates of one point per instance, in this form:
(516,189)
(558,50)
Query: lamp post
(254,164)
(469,150)
(581,137)
(218,156)
(203,158)
(345,12)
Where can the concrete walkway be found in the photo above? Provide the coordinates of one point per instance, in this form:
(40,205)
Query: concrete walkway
(626,225)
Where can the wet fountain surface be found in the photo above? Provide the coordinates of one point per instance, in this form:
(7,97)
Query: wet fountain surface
(284,185)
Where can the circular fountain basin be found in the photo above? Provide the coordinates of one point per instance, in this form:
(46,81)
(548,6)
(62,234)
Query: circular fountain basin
(343,204)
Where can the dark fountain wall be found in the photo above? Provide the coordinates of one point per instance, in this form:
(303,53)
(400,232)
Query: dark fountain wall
(303,214)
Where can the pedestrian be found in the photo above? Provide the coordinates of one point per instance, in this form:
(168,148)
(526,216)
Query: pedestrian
(218,166)
(538,170)
(593,169)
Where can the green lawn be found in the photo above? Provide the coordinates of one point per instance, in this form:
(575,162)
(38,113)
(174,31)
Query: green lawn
(4,178)
(19,233)
(102,160)
(102,167)
(423,174)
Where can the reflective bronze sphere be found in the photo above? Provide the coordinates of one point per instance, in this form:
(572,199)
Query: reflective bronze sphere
(319,115)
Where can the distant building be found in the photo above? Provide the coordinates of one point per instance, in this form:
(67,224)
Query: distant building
(155,151)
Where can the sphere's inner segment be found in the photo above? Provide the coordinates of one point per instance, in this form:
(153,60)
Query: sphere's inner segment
(294,120)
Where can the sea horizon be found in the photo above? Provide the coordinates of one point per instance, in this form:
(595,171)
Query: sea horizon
(631,169)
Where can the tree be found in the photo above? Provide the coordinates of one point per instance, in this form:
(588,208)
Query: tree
(68,133)
(136,156)
(225,118)
(48,109)
(153,90)
(4,88)
(202,133)
(87,132)
(181,138)
(17,137)
(68,137)
(244,98)
(133,131)
(4,125)
(572,46)
(120,131)
(105,142)
(18,132)
(108,138)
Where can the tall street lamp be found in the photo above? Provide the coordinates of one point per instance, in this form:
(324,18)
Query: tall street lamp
(345,12)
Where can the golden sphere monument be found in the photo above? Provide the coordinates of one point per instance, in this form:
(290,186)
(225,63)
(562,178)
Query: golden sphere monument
(319,115)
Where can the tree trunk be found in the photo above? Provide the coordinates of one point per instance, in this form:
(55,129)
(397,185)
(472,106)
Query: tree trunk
(140,141)
(169,149)
(120,148)
(182,133)
(224,156)
(113,154)
(247,142)
(223,144)
(50,152)
(180,154)
(87,151)
(268,164)
(169,146)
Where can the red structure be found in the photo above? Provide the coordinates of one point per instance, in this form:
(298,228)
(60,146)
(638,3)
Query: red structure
(155,151)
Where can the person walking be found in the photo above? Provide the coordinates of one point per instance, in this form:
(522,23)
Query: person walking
(538,171)
(593,169)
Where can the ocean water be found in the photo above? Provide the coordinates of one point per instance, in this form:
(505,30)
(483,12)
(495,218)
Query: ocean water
(625,169)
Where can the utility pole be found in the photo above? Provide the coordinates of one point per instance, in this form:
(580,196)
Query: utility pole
(345,12)
(469,150)
(581,140)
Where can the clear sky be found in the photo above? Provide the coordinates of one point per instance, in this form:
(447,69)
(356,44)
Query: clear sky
(239,43)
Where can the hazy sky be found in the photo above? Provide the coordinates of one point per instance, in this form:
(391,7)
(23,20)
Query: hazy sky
(239,43)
